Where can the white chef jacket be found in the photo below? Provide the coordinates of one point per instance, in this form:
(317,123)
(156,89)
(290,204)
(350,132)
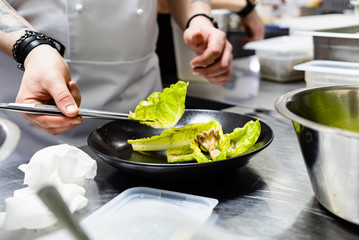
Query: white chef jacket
(110,48)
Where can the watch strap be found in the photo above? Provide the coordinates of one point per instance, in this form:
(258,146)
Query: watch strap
(251,4)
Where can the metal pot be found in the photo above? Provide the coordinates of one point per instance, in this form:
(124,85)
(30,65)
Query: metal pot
(326,121)
(9,138)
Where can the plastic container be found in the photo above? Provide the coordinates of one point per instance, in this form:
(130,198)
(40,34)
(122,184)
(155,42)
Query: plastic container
(318,22)
(148,213)
(355,3)
(325,72)
(277,56)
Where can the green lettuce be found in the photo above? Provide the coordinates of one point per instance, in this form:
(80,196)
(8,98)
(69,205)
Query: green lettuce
(163,109)
(242,139)
(230,145)
(170,138)
(197,142)
(180,154)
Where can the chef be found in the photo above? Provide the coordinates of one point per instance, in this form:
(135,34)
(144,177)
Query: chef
(109,62)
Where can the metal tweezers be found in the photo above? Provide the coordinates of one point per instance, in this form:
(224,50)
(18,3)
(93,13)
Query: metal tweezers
(53,110)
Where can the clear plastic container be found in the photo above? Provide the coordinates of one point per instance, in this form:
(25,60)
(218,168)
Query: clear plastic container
(326,72)
(148,213)
(280,68)
(277,56)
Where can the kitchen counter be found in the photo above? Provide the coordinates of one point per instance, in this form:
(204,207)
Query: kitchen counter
(269,198)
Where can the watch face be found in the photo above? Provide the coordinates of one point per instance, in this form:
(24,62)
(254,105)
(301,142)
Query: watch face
(254,2)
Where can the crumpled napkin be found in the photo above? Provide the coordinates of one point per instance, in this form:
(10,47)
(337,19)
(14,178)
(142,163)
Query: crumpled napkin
(63,166)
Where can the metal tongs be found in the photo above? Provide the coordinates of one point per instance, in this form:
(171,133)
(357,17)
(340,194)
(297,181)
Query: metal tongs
(53,200)
(53,110)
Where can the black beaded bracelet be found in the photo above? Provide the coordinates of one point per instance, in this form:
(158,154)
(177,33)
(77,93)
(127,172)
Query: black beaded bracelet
(215,24)
(28,42)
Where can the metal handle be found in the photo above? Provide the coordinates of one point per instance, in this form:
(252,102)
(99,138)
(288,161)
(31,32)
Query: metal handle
(53,110)
(83,112)
(53,200)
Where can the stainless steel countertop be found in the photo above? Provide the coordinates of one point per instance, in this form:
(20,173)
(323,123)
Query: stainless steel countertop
(269,198)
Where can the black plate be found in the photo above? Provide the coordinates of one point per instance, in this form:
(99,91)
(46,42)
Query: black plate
(109,142)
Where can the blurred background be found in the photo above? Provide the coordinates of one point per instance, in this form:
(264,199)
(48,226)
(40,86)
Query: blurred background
(280,18)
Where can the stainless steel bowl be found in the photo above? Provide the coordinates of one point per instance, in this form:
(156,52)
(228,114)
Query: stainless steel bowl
(9,138)
(326,121)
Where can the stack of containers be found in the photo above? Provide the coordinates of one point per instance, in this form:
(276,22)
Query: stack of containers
(277,56)
(325,72)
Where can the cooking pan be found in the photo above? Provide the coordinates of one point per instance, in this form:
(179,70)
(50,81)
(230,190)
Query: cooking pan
(109,142)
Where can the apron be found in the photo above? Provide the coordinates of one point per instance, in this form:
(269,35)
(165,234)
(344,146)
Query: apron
(110,50)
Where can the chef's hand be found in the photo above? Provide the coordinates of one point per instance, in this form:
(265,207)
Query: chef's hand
(214,60)
(47,80)
(254,27)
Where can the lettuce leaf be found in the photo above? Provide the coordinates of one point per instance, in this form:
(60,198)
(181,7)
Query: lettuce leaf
(170,138)
(180,154)
(242,139)
(182,143)
(165,109)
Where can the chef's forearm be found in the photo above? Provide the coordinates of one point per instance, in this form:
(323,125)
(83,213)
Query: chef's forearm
(12,26)
(184,9)
(233,5)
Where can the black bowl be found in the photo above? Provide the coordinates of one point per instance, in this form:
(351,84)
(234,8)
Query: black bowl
(109,142)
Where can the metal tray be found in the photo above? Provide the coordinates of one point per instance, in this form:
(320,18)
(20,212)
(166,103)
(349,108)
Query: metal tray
(340,44)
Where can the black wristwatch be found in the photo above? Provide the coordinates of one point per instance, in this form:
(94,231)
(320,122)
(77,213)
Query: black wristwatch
(251,4)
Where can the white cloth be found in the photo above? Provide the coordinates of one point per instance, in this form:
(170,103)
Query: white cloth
(63,166)
(110,50)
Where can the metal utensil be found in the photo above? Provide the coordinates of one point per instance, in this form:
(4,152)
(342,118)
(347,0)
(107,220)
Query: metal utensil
(9,138)
(53,200)
(53,110)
